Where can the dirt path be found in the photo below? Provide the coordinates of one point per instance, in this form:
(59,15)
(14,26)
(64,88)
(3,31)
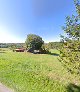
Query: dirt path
(4,88)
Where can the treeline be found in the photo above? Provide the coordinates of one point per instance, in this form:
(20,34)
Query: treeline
(55,45)
(12,45)
(50,45)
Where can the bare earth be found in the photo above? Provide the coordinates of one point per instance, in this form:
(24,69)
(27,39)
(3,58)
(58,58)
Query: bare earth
(4,88)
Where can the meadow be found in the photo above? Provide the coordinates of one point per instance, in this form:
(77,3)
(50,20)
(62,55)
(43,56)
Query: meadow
(26,72)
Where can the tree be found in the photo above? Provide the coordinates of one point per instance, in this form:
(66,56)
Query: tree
(70,52)
(33,42)
(54,45)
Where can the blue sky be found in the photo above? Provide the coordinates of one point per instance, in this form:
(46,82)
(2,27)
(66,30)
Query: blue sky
(42,17)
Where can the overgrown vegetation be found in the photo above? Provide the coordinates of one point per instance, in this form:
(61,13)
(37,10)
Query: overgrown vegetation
(70,53)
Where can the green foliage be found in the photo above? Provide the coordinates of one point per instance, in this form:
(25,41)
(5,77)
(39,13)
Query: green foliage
(3,45)
(70,55)
(70,52)
(45,49)
(54,45)
(77,4)
(34,41)
(12,46)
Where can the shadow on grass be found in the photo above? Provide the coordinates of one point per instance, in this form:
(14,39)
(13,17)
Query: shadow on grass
(73,88)
(54,54)
(2,52)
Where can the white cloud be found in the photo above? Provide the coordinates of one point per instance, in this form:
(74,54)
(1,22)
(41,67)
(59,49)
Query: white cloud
(6,36)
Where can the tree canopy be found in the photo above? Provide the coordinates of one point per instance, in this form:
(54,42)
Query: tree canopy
(70,52)
(33,42)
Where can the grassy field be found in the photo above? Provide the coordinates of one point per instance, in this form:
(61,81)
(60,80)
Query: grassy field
(26,72)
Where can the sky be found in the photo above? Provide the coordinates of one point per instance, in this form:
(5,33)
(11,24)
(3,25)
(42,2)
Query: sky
(18,18)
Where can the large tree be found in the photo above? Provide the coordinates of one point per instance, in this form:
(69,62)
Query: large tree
(70,52)
(33,42)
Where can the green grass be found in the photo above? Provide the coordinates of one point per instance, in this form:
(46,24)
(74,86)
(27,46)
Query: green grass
(26,72)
